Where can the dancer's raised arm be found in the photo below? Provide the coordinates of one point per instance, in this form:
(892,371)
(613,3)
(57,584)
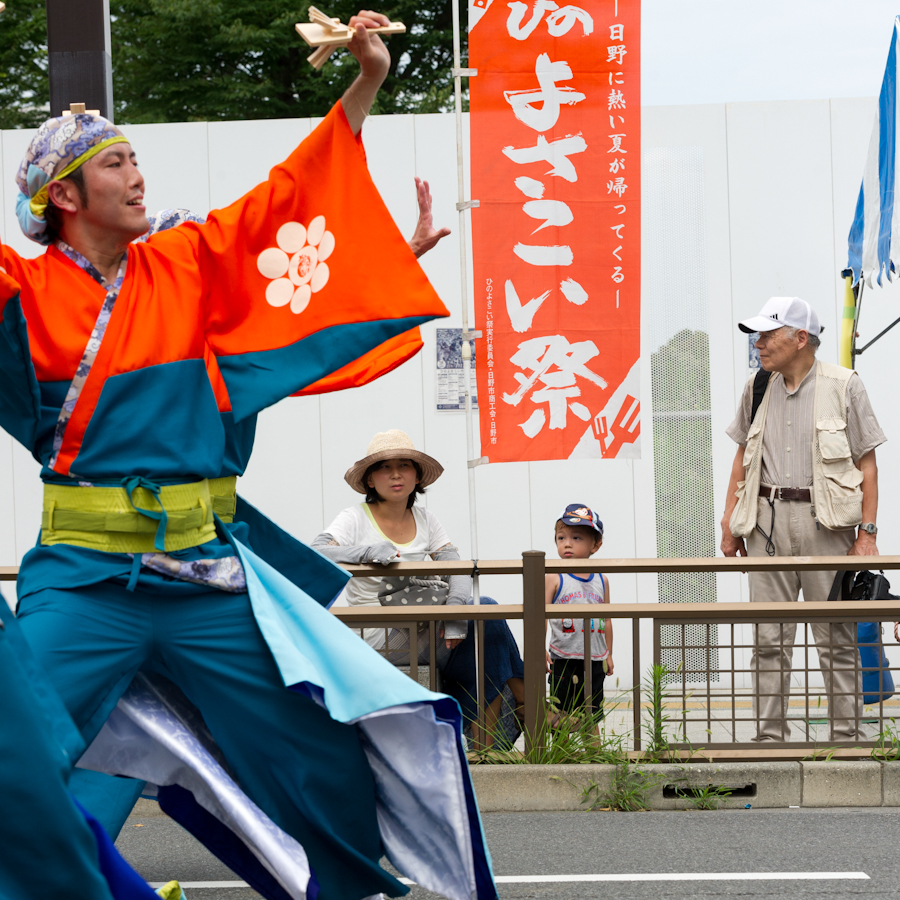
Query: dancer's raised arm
(374,62)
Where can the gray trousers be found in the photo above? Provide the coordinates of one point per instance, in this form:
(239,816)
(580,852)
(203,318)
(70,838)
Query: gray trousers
(398,647)
(795,534)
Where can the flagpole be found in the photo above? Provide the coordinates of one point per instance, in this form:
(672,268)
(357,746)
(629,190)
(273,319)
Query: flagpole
(859,296)
(467,336)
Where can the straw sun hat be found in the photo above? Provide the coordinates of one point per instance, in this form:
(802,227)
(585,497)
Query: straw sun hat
(393,444)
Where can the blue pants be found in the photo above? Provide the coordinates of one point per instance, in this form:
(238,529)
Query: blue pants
(307,772)
(501,662)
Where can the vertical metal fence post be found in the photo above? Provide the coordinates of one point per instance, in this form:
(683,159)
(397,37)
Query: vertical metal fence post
(534,624)
(588,668)
(414,651)
(486,738)
(636,676)
(432,656)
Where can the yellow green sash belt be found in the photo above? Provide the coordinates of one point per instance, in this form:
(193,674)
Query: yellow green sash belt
(139,517)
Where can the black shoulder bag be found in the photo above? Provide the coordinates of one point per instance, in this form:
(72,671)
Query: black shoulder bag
(865,586)
(759,389)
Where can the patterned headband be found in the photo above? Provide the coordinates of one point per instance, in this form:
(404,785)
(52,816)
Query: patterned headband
(60,146)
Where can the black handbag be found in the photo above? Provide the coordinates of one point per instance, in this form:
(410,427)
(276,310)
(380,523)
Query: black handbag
(865,586)
(877,681)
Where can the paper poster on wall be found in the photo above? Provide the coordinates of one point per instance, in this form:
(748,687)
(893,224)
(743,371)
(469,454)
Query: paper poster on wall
(556,153)
(450,392)
(753,353)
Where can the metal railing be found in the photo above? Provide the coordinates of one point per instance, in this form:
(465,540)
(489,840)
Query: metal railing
(533,613)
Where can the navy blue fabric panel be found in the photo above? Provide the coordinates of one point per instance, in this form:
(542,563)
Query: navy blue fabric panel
(180,805)
(161,422)
(257,380)
(124,883)
(20,399)
(446,710)
(302,565)
(239,437)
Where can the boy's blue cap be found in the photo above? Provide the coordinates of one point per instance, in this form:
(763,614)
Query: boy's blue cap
(579,514)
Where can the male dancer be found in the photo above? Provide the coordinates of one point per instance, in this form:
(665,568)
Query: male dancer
(131,370)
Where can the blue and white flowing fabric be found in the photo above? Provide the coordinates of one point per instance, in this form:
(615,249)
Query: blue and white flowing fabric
(874,242)
(427,814)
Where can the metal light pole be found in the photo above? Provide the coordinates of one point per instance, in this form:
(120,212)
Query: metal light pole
(80,56)
(467,335)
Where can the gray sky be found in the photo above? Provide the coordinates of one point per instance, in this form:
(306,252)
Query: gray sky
(721,51)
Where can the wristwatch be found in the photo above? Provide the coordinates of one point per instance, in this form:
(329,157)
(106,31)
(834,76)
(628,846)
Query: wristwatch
(868,528)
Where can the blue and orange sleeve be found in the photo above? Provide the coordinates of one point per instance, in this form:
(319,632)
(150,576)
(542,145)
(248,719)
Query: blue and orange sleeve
(308,284)
(20,399)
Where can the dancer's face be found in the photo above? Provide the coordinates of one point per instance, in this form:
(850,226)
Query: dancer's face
(115,193)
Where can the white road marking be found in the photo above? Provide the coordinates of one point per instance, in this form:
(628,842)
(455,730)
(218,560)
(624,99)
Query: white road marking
(642,876)
(686,876)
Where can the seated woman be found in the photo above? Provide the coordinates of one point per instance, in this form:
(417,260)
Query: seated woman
(388,527)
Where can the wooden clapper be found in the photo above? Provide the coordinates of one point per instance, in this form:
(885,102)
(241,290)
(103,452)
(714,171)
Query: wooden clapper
(77,109)
(327,35)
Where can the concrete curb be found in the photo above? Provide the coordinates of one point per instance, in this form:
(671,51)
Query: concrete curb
(774,785)
(857,783)
(766,785)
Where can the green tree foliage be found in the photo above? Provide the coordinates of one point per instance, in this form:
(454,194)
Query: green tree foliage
(682,451)
(195,60)
(184,60)
(24,92)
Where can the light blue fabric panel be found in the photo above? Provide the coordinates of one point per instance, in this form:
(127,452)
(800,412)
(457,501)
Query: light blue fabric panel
(311,646)
(887,156)
(872,246)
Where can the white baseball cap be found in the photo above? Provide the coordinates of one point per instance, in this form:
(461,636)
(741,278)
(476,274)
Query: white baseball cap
(783,311)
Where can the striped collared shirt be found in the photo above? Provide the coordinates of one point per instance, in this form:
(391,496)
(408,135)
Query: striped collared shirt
(790,428)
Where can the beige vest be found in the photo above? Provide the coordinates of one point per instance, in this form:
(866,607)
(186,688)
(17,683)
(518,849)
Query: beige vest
(836,491)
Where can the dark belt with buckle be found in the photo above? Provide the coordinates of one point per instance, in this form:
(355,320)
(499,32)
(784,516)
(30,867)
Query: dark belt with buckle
(782,493)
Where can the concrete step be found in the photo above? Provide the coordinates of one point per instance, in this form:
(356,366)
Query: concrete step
(767,785)
(771,785)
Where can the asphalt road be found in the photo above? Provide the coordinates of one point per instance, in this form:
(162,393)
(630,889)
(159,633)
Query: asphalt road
(634,845)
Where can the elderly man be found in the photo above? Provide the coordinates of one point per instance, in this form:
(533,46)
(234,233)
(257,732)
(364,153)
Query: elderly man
(134,371)
(804,477)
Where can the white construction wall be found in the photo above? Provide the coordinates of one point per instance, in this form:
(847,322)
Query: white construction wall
(779,186)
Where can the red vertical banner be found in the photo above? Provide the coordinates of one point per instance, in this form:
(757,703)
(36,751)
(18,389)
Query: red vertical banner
(556,166)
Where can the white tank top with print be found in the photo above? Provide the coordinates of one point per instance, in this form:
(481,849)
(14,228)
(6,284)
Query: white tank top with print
(567,635)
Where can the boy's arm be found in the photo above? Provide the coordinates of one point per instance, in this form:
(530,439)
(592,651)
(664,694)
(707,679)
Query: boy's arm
(608,629)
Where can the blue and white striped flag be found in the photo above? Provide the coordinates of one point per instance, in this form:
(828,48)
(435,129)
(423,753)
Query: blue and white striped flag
(874,242)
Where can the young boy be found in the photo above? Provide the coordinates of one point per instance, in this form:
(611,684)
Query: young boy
(579,535)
